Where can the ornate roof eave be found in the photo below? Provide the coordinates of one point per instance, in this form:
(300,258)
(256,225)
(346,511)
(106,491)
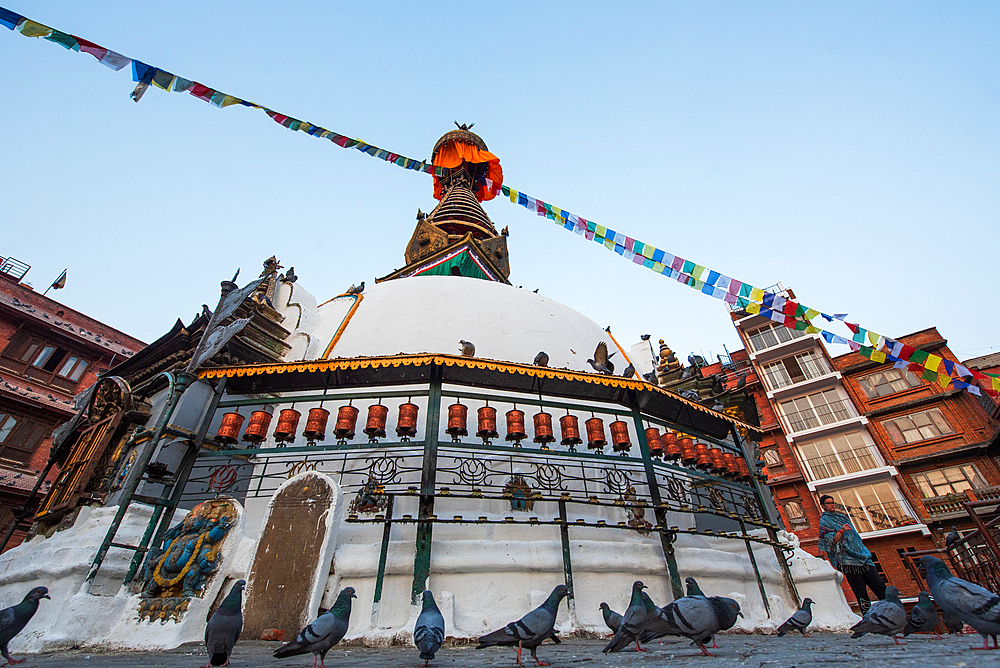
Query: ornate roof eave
(467,240)
(323,368)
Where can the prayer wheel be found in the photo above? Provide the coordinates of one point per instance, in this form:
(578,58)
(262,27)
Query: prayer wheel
(595,433)
(257,428)
(406,424)
(704,460)
(487,423)
(515,426)
(689,455)
(316,421)
(671,447)
(744,469)
(375,426)
(619,436)
(229,430)
(347,420)
(288,423)
(718,463)
(543,429)
(458,419)
(654,443)
(732,468)
(569,427)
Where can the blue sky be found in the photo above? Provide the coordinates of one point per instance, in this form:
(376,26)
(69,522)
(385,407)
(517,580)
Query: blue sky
(848,150)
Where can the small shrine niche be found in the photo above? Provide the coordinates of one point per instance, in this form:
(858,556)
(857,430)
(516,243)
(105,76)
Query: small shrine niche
(519,492)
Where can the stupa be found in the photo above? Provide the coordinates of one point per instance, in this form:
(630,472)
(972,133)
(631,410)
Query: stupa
(306,446)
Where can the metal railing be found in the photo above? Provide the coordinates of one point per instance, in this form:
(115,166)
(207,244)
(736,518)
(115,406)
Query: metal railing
(948,506)
(777,379)
(841,463)
(817,416)
(13,268)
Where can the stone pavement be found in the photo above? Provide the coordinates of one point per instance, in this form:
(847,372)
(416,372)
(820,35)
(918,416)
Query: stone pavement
(823,649)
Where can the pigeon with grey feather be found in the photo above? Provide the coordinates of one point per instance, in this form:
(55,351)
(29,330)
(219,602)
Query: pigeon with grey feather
(799,620)
(974,605)
(16,617)
(323,632)
(467,347)
(952,623)
(541,359)
(692,587)
(531,630)
(629,630)
(224,627)
(602,360)
(428,632)
(923,617)
(886,617)
(611,618)
(952,537)
(696,617)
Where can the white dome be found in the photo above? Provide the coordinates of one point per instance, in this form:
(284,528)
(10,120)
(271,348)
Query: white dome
(430,314)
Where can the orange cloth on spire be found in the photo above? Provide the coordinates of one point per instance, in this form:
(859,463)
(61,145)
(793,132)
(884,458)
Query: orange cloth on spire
(454,153)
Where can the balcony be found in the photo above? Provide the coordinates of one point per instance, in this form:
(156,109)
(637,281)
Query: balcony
(879,517)
(949,506)
(841,463)
(819,416)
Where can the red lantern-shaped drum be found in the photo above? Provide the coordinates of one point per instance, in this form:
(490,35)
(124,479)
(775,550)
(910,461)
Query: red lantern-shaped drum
(229,430)
(619,436)
(406,425)
(458,420)
(744,469)
(569,427)
(543,429)
(375,427)
(316,422)
(595,433)
(654,443)
(704,459)
(515,426)
(347,421)
(257,428)
(671,447)
(288,423)
(732,468)
(689,454)
(487,423)
(718,463)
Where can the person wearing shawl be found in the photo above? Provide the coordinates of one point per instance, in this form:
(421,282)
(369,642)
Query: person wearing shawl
(843,547)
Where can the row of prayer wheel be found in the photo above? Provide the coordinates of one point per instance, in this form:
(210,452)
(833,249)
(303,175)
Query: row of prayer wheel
(316,423)
(672,448)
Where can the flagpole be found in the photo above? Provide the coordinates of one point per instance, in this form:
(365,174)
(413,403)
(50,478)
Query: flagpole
(58,284)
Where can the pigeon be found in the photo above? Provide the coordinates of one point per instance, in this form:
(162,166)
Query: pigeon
(356,289)
(952,623)
(611,618)
(428,632)
(468,349)
(692,587)
(323,633)
(224,627)
(629,371)
(799,620)
(952,538)
(629,630)
(541,359)
(923,617)
(698,618)
(602,360)
(886,617)
(974,605)
(15,618)
(531,630)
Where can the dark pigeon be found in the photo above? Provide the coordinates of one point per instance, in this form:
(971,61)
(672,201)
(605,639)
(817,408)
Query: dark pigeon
(799,620)
(16,617)
(611,618)
(628,372)
(952,538)
(952,623)
(467,347)
(692,587)
(428,632)
(224,627)
(923,617)
(629,630)
(696,617)
(886,617)
(602,360)
(541,359)
(531,630)
(323,633)
(972,604)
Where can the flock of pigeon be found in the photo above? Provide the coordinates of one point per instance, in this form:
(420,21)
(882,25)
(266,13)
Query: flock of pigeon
(694,616)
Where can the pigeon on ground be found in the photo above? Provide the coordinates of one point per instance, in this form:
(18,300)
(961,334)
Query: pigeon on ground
(629,630)
(468,349)
(15,618)
(696,617)
(323,633)
(541,359)
(531,630)
(952,623)
(974,605)
(952,538)
(611,618)
(602,360)
(923,617)
(224,627)
(428,632)
(799,620)
(886,617)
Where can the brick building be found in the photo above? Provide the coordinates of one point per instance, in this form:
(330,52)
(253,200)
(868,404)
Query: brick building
(48,353)
(897,453)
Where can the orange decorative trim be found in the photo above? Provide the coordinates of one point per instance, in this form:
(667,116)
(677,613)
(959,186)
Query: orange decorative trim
(343,324)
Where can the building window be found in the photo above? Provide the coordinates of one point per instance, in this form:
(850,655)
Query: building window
(951,480)
(794,513)
(887,381)
(873,507)
(815,410)
(795,369)
(772,459)
(918,427)
(837,455)
(42,361)
(19,437)
(770,336)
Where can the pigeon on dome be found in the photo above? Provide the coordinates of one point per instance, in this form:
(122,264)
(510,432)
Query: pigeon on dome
(468,348)
(541,359)
(602,360)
